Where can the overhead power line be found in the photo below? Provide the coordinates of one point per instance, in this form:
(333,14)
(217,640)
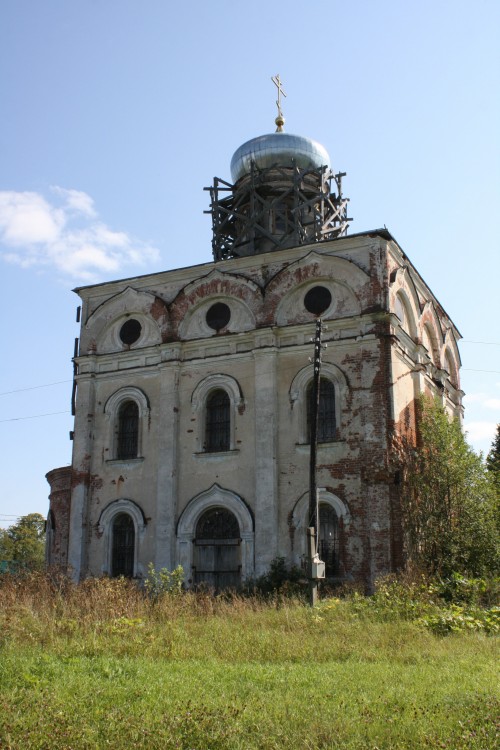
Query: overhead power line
(471,369)
(60,382)
(34,387)
(488,343)
(35,416)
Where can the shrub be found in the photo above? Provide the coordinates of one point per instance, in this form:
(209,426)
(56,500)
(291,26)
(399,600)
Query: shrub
(456,619)
(279,579)
(164,582)
(458,589)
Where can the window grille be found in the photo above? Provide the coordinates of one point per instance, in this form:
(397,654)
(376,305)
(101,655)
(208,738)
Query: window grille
(327,427)
(217,523)
(128,430)
(329,539)
(217,562)
(123,549)
(218,422)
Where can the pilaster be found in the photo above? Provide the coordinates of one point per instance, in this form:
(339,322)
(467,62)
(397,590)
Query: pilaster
(167,452)
(266,469)
(82,452)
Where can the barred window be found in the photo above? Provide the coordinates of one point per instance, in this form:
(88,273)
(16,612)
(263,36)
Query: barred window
(218,422)
(327,427)
(217,551)
(123,549)
(128,430)
(329,538)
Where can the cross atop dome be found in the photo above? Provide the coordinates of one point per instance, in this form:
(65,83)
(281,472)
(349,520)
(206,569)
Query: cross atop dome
(280,120)
(280,196)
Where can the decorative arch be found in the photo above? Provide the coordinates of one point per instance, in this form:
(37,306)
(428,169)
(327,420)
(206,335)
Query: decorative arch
(403,310)
(129,393)
(403,289)
(451,367)
(344,279)
(112,409)
(298,395)
(241,295)
(451,338)
(430,327)
(215,497)
(199,398)
(104,529)
(194,324)
(428,338)
(101,332)
(218,282)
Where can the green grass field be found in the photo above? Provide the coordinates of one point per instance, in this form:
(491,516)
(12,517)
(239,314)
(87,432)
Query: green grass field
(101,666)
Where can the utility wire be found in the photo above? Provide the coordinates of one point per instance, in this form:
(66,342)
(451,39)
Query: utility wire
(35,416)
(33,387)
(59,382)
(53,413)
(471,369)
(489,343)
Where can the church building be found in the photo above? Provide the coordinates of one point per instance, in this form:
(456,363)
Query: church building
(192,390)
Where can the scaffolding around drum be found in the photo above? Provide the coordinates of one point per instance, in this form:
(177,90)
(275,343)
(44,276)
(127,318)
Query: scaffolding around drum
(274,208)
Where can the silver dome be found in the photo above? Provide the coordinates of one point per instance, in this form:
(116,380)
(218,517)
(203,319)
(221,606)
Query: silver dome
(278,148)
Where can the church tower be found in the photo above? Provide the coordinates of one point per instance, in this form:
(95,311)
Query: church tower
(281,195)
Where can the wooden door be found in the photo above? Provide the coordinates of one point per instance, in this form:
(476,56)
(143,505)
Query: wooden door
(217,550)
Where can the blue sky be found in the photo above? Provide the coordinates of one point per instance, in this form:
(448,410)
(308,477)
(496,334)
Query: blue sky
(116,114)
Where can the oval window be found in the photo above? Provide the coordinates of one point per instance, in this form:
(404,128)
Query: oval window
(130,331)
(317,300)
(218,316)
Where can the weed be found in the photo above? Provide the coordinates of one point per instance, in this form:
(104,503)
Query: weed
(163,582)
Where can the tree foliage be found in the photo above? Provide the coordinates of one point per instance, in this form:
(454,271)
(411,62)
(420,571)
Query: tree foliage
(23,544)
(448,500)
(493,459)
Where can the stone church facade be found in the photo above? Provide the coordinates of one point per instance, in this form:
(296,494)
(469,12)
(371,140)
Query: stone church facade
(192,390)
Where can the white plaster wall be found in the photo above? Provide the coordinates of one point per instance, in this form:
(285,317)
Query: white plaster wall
(268,465)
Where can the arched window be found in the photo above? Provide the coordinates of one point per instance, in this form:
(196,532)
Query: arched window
(217,422)
(123,546)
(217,549)
(128,430)
(327,427)
(329,538)
(402,309)
(451,369)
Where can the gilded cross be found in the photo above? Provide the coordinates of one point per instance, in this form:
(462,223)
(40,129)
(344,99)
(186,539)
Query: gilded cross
(278,83)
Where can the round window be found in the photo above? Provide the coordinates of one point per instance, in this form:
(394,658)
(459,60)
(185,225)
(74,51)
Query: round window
(317,300)
(218,316)
(130,331)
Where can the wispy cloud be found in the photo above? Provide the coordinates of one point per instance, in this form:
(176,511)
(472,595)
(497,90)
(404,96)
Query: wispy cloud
(65,233)
(480,431)
(492,403)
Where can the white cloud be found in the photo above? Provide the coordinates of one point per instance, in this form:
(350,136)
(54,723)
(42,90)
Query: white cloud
(66,235)
(492,403)
(77,200)
(471,398)
(27,219)
(479,431)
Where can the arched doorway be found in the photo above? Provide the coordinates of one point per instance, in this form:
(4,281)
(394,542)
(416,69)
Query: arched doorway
(123,546)
(329,539)
(217,550)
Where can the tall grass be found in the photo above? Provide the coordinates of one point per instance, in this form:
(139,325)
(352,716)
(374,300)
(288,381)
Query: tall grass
(102,665)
